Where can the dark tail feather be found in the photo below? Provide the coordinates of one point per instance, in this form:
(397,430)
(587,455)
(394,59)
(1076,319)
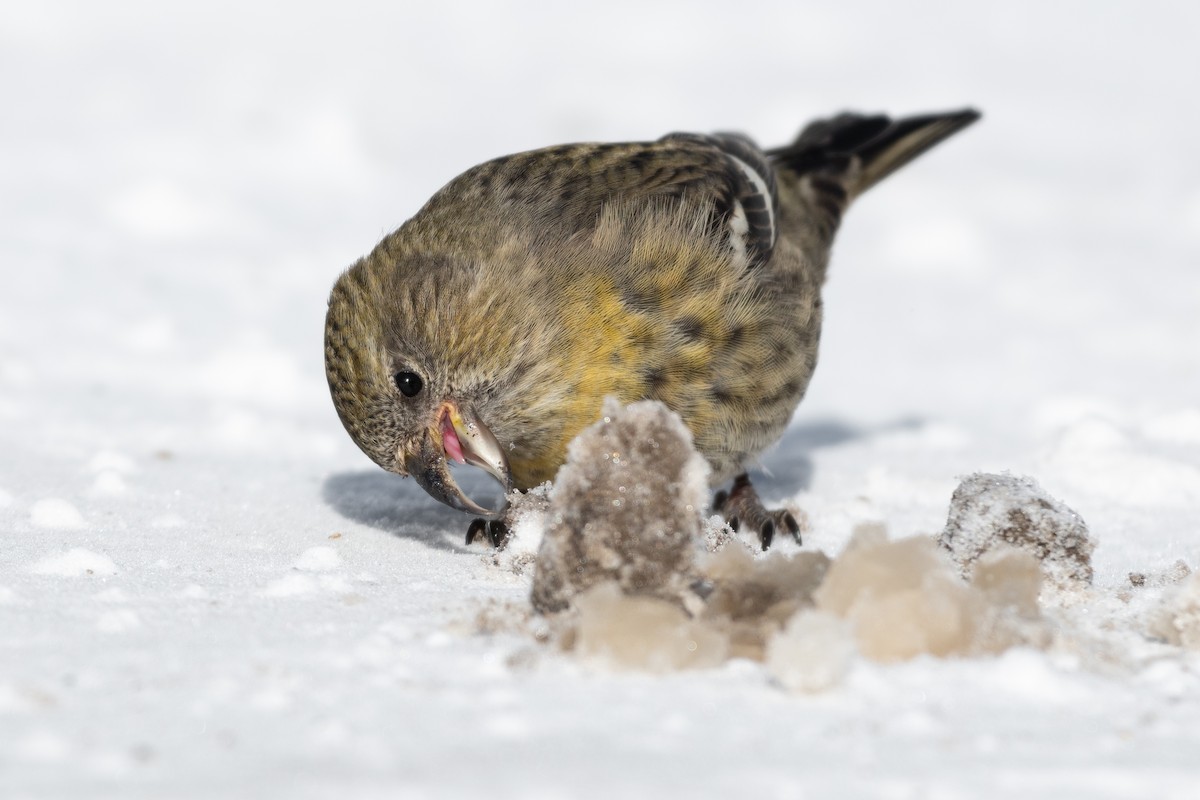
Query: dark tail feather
(863,150)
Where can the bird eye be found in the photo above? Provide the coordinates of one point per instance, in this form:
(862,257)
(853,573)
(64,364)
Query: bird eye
(409,383)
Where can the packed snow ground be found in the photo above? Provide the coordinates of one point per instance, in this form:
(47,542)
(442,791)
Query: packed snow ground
(207,591)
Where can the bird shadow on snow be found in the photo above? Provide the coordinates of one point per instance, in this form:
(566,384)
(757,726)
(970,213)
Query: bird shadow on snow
(400,507)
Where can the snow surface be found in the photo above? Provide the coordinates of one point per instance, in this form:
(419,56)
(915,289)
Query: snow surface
(207,591)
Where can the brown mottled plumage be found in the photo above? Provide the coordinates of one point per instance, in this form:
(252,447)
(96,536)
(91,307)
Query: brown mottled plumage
(686,270)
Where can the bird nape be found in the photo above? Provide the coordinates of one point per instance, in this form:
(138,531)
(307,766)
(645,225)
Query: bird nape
(490,327)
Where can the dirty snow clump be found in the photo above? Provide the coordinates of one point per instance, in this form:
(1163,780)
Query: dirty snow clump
(989,510)
(751,599)
(624,555)
(626,507)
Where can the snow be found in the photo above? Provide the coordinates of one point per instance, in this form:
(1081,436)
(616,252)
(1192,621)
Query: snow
(182,184)
(54,512)
(75,562)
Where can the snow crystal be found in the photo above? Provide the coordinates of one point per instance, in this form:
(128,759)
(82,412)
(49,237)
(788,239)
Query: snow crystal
(54,512)
(627,507)
(75,562)
(988,510)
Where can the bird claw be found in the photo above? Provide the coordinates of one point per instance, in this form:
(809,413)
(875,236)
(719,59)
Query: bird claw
(741,506)
(494,530)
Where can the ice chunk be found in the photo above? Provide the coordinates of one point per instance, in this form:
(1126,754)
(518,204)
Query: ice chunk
(643,632)
(904,599)
(988,510)
(625,507)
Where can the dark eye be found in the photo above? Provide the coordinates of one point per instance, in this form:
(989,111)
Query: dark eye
(409,383)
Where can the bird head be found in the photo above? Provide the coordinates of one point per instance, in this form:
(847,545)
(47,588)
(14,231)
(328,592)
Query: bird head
(411,409)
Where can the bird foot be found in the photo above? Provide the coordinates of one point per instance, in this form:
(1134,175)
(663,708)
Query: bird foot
(495,531)
(742,507)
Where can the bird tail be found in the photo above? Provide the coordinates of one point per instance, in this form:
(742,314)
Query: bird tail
(853,152)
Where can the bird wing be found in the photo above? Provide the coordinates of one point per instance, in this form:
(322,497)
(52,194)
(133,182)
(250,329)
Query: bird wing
(748,203)
(559,191)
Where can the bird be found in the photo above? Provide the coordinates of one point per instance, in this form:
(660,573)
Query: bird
(489,328)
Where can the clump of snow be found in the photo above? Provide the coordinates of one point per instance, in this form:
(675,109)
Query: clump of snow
(625,507)
(812,653)
(527,522)
(75,562)
(1178,620)
(990,510)
(318,559)
(54,512)
(108,483)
